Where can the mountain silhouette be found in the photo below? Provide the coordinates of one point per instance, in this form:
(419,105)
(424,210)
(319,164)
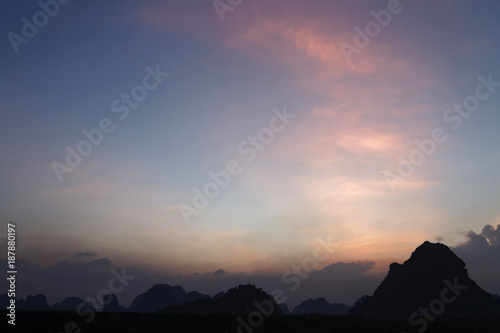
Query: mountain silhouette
(111,304)
(433,281)
(320,306)
(67,304)
(218,295)
(284,308)
(161,295)
(38,302)
(240,300)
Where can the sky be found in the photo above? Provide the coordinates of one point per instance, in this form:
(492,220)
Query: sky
(185,138)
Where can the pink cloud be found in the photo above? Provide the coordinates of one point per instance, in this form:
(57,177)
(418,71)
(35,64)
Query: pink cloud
(372,114)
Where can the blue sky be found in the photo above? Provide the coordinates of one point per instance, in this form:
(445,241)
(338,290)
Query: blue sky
(324,174)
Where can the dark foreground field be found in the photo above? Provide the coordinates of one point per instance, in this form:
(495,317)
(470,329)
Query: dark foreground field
(55,322)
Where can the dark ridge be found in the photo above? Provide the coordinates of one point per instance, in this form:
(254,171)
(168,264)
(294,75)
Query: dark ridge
(241,300)
(435,274)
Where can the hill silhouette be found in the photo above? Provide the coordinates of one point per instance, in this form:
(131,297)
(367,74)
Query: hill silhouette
(433,281)
(284,308)
(67,304)
(240,300)
(111,304)
(161,295)
(320,306)
(37,302)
